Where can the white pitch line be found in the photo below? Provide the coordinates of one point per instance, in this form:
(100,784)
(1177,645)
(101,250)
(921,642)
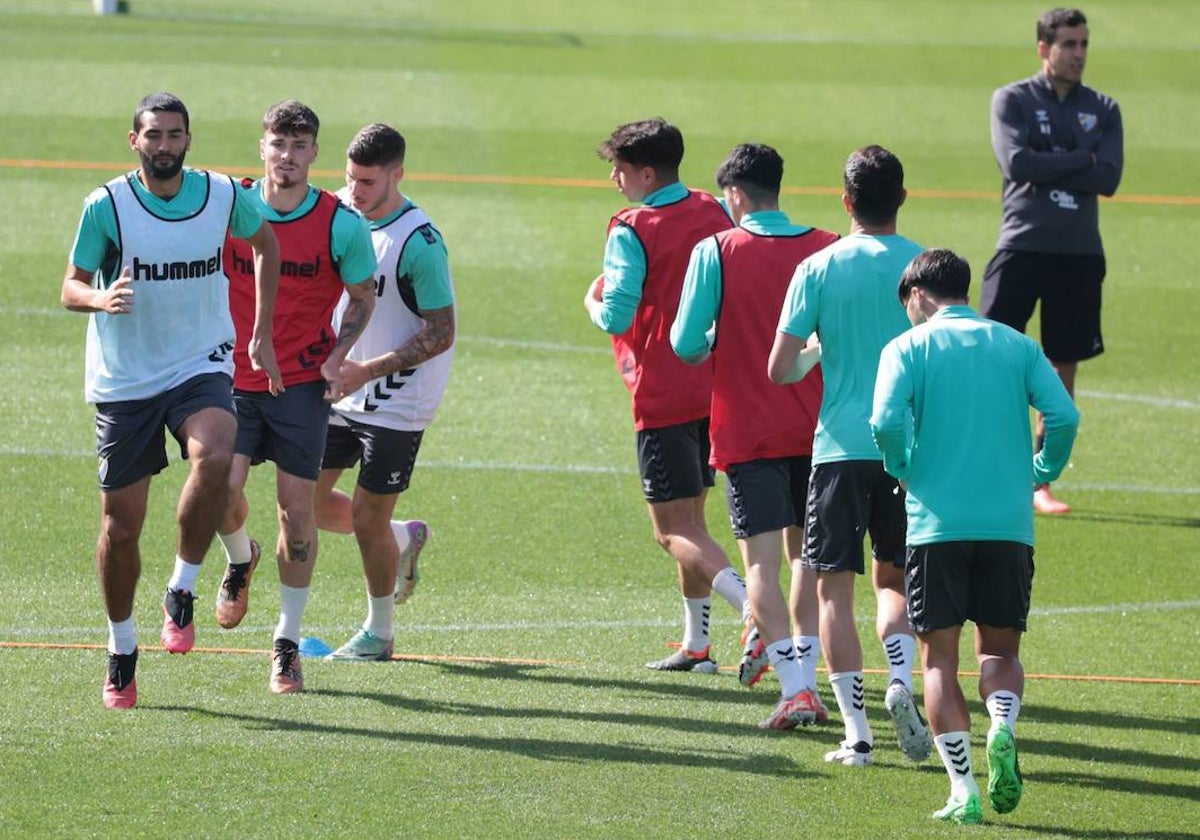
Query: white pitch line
(555,626)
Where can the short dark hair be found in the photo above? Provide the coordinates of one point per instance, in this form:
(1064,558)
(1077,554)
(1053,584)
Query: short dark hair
(654,143)
(755,168)
(940,271)
(377,145)
(291,117)
(874,181)
(1049,23)
(161,102)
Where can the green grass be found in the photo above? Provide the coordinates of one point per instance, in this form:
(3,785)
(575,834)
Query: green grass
(525,710)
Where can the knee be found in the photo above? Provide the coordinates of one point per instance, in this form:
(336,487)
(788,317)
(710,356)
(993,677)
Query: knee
(120,531)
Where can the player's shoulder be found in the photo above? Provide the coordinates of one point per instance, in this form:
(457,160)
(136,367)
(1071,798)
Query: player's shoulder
(1101,100)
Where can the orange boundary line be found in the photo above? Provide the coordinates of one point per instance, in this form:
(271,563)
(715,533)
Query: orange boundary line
(437,657)
(401,657)
(584,183)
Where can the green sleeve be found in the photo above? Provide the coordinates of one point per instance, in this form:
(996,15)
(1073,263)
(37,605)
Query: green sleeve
(247,218)
(1049,396)
(892,408)
(424,260)
(96,235)
(699,303)
(799,314)
(351,245)
(624,276)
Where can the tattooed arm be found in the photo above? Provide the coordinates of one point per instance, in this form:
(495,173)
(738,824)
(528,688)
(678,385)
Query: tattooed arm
(354,321)
(435,337)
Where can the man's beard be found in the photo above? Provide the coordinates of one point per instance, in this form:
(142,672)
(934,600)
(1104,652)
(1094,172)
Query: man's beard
(162,173)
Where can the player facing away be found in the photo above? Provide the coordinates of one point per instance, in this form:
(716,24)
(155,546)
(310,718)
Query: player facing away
(1059,145)
(761,434)
(394,378)
(846,294)
(635,300)
(951,417)
(325,250)
(147,265)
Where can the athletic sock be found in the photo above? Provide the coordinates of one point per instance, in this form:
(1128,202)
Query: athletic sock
(901,650)
(955,751)
(381,613)
(695,623)
(237,546)
(808,651)
(851,700)
(292,601)
(121,636)
(400,532)
(185,575)
(1004,706)
(730,586)
(782,654)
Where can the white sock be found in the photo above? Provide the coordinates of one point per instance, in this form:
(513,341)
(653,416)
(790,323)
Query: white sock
(292,601)
(782,654)
(400,532)
(901,650)
(695,623)
(1004,706)
(121,636)
(851,700)
(237,546)
(808,651)
(955,750)
(381,613)
(730,586)
(185,575)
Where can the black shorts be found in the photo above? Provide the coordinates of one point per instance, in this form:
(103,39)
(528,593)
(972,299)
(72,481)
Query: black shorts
(767,495)
(1068,286)
(984,581)
(288,429)
(129,434)
(847,499)
(673,461)
(388,455)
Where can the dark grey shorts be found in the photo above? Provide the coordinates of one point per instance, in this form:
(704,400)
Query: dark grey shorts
(847,499)
(673,461)
(388,456)
(288,429)
(985,581)
(767,495)
(129,434)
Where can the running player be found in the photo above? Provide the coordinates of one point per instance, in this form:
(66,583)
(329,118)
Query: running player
(846,294)
(394,378)
(147,265)
(325,250)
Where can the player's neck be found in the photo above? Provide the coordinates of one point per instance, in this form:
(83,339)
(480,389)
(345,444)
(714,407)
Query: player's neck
(284,200)
(887,229)
(394,203)
(164,189)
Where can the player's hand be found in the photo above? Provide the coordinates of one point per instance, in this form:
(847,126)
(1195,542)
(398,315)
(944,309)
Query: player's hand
(117,299)
(331,370)
(262,357)
(595,291)
(354,376)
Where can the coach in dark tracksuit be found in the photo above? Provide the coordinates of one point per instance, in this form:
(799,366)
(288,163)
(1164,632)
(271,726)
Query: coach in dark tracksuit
(1059,145)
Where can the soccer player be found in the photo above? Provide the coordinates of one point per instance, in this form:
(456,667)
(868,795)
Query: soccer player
(1059,145)
(761,434)
(951,417)
(147,265)
(394,378)
(847,295)
(635,300)
(325,250)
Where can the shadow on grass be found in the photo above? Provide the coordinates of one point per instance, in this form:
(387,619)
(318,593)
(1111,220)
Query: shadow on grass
(1115,756)
(1107,720)
(1158,520)
(545,749)
(1102,833)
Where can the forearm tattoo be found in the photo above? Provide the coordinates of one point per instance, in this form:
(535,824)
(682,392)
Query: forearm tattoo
(434,337)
